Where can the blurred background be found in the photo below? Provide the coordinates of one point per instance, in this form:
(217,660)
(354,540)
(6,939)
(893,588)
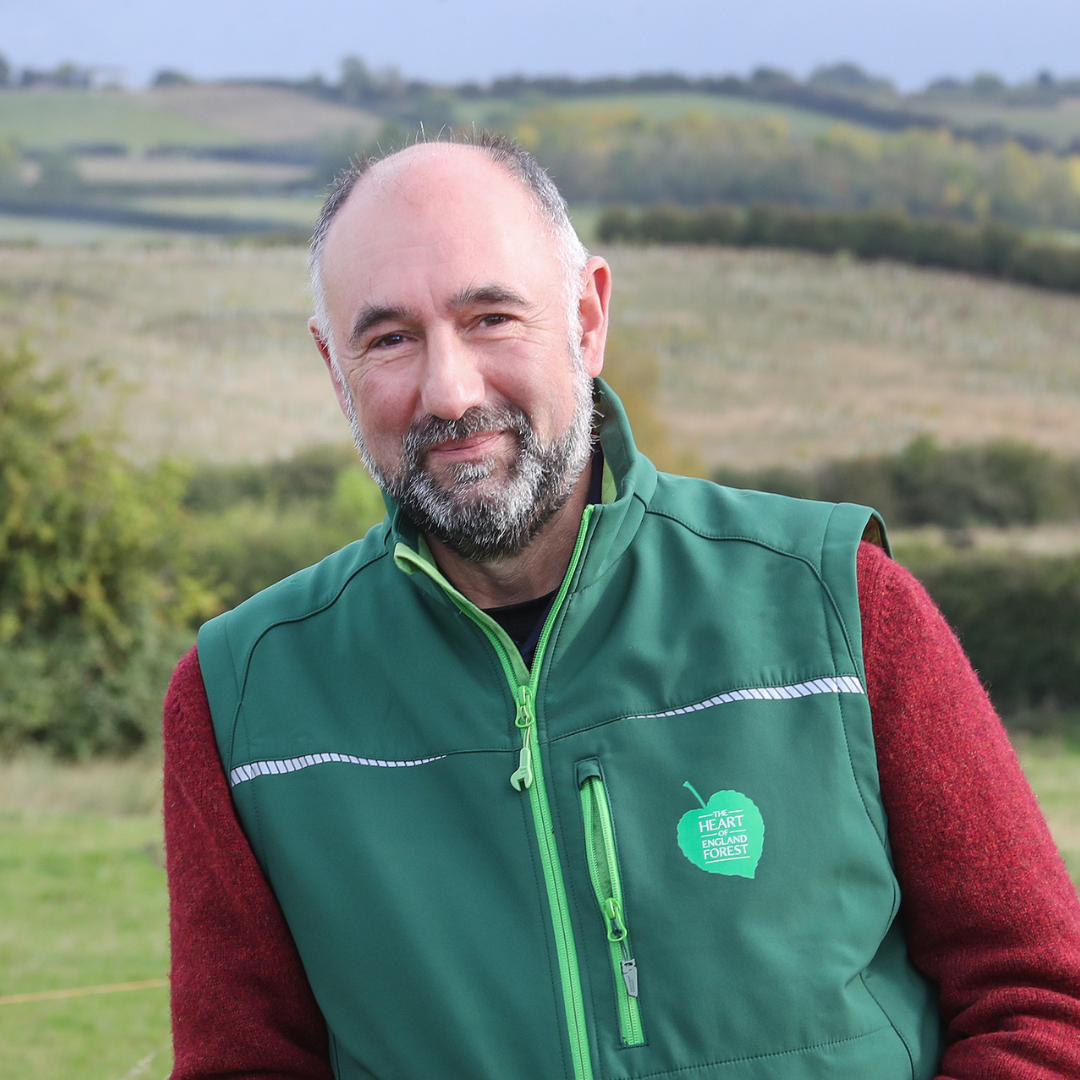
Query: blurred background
(846,247)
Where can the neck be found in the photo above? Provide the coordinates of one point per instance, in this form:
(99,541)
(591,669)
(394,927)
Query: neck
(538,570)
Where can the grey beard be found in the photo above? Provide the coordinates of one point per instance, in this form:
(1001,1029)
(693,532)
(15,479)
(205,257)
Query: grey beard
(488,526)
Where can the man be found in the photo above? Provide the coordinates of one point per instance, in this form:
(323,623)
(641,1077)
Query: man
(571,769)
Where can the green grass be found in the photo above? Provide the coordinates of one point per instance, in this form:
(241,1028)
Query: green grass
(1053,770)
(1059,125)
(83,905)
(297,212)
(50,119)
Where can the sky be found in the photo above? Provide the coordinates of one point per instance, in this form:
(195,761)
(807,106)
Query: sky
(909,41)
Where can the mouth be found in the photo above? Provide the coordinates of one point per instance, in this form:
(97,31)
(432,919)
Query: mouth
(478,445)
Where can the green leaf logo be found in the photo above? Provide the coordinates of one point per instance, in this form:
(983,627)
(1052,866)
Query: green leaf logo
(725,836)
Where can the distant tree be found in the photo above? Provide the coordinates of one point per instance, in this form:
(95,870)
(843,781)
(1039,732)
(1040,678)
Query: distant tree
(946,86)
(847,76)
(5,72)
(67,75)
(357,83)
(171,77)
(765,79)
(986,85)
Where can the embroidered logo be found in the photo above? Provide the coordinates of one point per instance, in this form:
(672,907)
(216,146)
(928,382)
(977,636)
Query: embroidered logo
(725,836)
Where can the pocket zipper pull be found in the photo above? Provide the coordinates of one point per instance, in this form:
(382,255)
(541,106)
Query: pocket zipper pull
(629,974)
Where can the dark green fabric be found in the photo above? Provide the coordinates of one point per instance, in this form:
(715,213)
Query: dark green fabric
(415,892)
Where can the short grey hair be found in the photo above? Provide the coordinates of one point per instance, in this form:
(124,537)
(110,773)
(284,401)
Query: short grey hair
(503,151)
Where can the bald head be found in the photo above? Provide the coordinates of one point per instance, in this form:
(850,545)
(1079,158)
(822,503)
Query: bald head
(390,173)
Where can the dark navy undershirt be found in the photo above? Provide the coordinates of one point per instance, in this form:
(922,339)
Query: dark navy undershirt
(524,622)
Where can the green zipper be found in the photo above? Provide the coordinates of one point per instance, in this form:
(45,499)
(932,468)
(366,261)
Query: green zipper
(604,870)
(529,776)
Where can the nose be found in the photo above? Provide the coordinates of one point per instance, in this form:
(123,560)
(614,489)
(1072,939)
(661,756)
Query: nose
(452,380)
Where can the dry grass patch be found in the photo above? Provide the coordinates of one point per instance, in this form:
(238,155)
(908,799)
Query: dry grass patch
(763,357)
(210,340)
(773,357)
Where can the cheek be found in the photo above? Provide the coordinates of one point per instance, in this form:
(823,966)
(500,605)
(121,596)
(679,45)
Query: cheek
(384,407)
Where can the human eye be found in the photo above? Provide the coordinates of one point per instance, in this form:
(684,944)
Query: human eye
(494,319)
(387,341)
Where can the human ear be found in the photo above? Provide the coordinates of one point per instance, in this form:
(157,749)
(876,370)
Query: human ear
(341,391)
(593,313)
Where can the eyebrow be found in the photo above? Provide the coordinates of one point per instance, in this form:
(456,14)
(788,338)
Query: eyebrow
(372,316)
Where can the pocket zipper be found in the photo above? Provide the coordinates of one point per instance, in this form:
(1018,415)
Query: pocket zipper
(604,872)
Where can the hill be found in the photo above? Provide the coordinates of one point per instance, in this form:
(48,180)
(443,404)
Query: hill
(749,357)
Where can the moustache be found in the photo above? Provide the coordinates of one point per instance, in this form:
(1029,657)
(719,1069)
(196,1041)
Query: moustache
(430,430)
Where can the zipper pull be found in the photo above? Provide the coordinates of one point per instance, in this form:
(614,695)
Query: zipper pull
(616,926)
(526,716)
(526,711)
(523,777)
(629,974)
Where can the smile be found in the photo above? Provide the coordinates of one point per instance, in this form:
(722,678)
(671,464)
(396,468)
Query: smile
(479,444)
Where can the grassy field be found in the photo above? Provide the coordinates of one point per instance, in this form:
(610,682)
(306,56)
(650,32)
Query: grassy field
(1058,123)
(50,119)
(176,116)
(762,356)
(84,905)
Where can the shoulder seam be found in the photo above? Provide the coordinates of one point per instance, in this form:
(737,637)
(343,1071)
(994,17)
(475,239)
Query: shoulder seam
(314,610)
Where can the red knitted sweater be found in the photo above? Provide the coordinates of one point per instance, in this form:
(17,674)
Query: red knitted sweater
(989,910)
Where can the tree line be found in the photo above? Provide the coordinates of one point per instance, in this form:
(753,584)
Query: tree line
(992,250)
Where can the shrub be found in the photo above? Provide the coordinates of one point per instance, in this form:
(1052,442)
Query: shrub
(1018,617)
(999,483)
(256,524)
(94,594)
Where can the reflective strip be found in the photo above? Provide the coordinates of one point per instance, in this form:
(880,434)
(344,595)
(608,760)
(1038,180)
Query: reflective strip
(288,765)
(843,684)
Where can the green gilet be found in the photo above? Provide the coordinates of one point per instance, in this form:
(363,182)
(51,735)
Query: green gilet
(660,853)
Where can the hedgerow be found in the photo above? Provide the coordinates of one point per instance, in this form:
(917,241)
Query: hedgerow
(992,250)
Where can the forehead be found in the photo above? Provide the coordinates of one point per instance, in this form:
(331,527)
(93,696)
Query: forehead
(431,222)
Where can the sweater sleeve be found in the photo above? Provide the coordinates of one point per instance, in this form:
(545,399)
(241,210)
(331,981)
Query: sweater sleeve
(241,1003)
(990,913)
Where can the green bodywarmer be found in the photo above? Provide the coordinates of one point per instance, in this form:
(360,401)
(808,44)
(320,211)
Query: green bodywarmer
(659,853)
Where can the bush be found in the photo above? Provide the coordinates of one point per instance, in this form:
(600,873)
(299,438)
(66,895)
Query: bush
(1000,483)
(1018,617)
(95,597)
(256,524)
(310,474)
